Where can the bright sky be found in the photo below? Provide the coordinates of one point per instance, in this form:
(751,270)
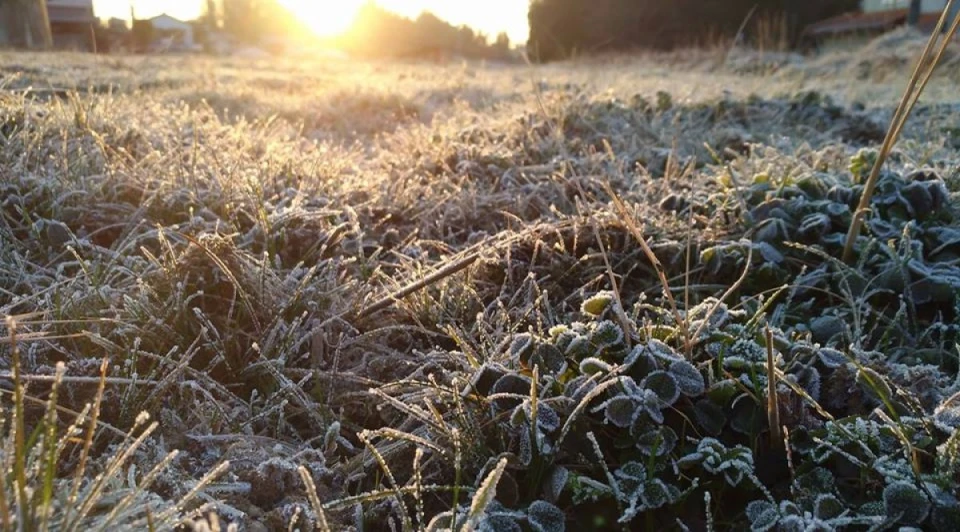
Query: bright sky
(329,17)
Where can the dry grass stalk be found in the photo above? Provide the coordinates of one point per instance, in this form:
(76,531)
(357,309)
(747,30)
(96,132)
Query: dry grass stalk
(773,400)
(637,234)
(922,73)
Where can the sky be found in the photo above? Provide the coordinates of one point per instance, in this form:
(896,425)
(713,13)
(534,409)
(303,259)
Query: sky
(330,16)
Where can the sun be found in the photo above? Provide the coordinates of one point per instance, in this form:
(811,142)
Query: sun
(327,18)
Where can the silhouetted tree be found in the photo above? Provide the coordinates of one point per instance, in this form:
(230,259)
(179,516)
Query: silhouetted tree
(377,32)
(251,20)
(501,46)
(211,15)
(243,19)
(29,24)
(142,34)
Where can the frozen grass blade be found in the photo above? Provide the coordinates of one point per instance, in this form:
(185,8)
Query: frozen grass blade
(49,451)
(418,488)
(6,519)
(637,234)
(322,524)
(391,480)
(79,472)
(484,496)
(773,399)
(19,430)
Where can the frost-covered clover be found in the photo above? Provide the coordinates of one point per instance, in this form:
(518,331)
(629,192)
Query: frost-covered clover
(635,403)
(539,439)
(903,503)
(641,492)
(734,463)
(540,516)
(529,351)
(602,339)
(828,513)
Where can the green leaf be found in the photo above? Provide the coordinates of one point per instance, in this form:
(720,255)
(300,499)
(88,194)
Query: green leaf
(595,305)
(547,357)
(655,494)
(827,506)
(946,518)
(688,378)
(763,516)
(545,517)
(832,358)
(511,383)
(710,416)
(660,440)
(555,482)
(905,502)
(499,523)
(874,384)
(607,334)
(579,347)
(521,345)
(621,411)
(814,226)
(664,385)
(746,417)
(824,328)
(632,470)
(593,365)
(662,351)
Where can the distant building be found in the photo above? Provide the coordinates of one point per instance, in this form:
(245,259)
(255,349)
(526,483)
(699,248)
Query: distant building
(875,17)
(71,24)
(172,35)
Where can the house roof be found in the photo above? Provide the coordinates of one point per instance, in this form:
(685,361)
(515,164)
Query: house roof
(70,13)
(856,21)
(868,22)
(166,22)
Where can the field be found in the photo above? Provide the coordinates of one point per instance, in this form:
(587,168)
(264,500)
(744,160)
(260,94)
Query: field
(593,295)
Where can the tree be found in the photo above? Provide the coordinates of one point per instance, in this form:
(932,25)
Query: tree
(377,32)
(211,14)
(242,19)
(251,20)
(501,46)
(141,32)
(30,24)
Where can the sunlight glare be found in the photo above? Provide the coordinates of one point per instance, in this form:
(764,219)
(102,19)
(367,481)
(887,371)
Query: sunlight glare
(329,18)
(326,18)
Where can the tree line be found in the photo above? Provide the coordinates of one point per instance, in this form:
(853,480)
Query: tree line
(561,28)
(375,32)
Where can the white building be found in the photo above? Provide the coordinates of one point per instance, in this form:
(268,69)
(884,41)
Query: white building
(172,34)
